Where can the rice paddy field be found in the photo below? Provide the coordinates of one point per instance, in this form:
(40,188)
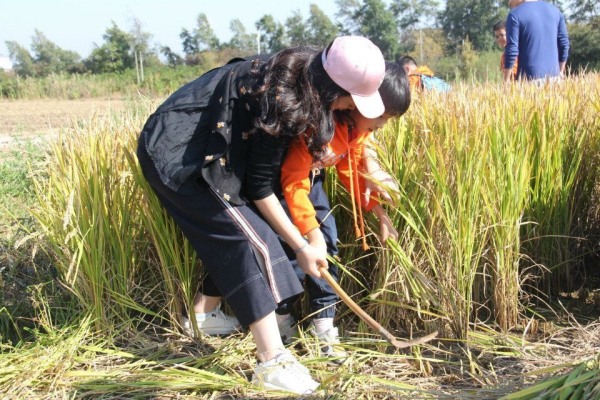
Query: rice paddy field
(499,251)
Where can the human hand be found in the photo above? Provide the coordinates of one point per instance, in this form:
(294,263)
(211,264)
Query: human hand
(317,240)
(386,228)
(373,183)
(310,259)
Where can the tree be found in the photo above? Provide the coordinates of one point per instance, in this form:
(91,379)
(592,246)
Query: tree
(200,38)
(272,34)
(140,40)
(47,57)
(240,40)
(173,59)
(379,25)
(297,32)
(347,15)
(116,54)
(22,61)
(321,30)
(427,45)
(585,46)
(414,14)
(141,43)
(372,19)
(205,37)
(189,42)
(585,11)
(472,18)
(468,57)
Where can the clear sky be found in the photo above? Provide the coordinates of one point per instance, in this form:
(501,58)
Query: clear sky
(77,24)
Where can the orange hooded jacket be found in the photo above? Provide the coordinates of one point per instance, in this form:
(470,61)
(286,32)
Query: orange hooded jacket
(414,78)
(346,155)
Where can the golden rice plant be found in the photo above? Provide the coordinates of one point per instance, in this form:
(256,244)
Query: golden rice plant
(494,182)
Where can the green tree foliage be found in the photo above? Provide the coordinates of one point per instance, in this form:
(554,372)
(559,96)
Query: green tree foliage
(372,19)
(468,58)
(414,14)
(379,25)
(141,43)
(22,61)
(189,42)
(173,59)
(272,34)
(348,11)
(321,30)
(472,18)
(201,38)
(204,34)
(585,11)
(115,54)
(585,45)
(296,31)
(427,45)
(49,58)
(318,30)
(241,40)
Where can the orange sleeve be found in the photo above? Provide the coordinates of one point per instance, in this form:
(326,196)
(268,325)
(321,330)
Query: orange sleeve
(343,170)
(295,183)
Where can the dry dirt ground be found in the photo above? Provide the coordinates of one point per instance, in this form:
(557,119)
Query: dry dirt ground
(32,119)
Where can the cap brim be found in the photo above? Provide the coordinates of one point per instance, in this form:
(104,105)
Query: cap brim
(369,106)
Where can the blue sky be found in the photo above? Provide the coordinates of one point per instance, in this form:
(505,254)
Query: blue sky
(76,24)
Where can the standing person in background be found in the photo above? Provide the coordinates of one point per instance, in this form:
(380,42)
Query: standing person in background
(500,35)
(536,32)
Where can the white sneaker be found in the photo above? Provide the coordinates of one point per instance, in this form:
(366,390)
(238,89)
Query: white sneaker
(216,323)
(285,373)
(288,329)
(330,341)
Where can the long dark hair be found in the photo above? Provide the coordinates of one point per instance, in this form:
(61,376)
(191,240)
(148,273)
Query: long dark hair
(296,98)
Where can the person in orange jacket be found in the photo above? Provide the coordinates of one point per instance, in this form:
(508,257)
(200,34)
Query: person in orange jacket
(500,36)
(422,78)
(302,179)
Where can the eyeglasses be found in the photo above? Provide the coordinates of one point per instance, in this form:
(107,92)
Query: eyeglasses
(500,36)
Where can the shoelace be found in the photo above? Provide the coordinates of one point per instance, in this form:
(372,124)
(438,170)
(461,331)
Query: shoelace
(289,360)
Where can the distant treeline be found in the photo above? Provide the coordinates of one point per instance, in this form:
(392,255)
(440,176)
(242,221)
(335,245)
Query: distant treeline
(450,39)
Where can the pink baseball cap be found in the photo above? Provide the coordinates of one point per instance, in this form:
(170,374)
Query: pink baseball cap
(356,65)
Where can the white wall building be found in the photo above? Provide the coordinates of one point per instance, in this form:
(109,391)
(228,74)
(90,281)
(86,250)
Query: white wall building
(5,63)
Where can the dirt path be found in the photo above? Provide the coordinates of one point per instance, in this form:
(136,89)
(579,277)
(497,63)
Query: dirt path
(31,119)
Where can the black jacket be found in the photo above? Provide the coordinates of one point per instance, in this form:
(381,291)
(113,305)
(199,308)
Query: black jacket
(204,131)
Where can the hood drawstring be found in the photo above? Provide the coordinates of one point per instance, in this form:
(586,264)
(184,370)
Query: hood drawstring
(354,182)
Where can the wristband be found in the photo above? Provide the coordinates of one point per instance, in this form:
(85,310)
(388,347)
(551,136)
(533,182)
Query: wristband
(301,247)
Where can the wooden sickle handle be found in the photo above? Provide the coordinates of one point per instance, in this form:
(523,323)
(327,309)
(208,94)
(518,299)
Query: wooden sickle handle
(368,319)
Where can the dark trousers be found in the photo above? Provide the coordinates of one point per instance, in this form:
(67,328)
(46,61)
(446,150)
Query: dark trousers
(228,240)
(321,295)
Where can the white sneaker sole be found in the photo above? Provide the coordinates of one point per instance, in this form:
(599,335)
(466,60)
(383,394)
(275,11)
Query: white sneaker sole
(211,331)
(270,386)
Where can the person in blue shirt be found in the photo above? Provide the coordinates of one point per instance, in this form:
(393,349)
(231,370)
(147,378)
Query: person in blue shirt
(536,32)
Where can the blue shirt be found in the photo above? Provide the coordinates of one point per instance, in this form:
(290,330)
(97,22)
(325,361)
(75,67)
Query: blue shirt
(536,32)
